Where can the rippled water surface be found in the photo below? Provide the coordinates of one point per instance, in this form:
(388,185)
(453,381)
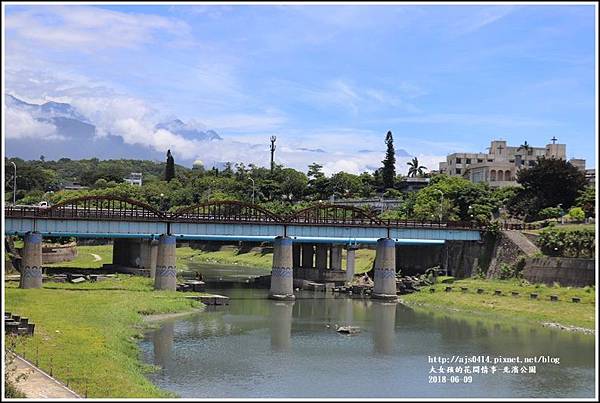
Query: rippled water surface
(256,347)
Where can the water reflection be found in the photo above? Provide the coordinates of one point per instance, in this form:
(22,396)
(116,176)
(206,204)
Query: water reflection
(236,350)
(162,340)
(281,325)
(384,323)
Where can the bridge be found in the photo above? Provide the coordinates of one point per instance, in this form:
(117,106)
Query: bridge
(308,235)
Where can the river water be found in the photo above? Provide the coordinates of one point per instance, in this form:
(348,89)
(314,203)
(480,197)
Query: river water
(255,347)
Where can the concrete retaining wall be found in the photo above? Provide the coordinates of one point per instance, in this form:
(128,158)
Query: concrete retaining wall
(412,260)
(565,271)
(54,253)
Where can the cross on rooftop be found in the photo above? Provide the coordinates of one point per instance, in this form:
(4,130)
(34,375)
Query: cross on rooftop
(500,148)
(553,139)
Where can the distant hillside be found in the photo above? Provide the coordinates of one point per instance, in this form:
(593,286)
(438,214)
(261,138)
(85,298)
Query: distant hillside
(87,171)
(78,135)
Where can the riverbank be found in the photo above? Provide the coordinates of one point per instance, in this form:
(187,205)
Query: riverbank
(87,258)
(569,315)
(87,334)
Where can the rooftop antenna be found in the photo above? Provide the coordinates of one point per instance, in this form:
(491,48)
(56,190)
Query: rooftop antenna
(273,139)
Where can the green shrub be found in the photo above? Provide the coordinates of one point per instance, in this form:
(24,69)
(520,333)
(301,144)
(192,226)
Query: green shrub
(577,214)
(550,212)
(578,243)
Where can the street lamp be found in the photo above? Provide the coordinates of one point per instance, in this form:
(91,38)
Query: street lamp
(441,203)
(252,189)
(14,184)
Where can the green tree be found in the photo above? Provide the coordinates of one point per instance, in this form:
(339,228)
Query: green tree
(317,182)
(389,163)
(170,168)
(293,183)
(550,183)
(344,185)
(550,212)
(587,201)
(415,169)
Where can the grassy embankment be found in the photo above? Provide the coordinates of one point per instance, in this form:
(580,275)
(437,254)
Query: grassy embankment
(565,227)
(185,255)
(519,308)
(88,333)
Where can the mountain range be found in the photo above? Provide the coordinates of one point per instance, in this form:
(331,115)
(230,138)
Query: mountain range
(79,133)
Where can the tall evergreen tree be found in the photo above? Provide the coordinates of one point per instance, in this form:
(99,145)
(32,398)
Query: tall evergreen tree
(389,163)
(170,169)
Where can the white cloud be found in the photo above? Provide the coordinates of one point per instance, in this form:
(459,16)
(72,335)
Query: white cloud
(87,28)
(245,135)
(20,124)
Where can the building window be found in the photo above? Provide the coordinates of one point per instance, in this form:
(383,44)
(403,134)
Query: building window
(511,161)
(507,176)
(458,171)
(479,161)
(468,160)
(490,160)
(458,160)
(531,163)
(493,175)
(500,176)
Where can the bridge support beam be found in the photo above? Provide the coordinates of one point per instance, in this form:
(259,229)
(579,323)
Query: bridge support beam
(385,270)
(308,252)
(350,262)
(165,277)
(126,252)
(296,251)
(31,263)
(282,273)
(335,257)
(321,257)
(148,255)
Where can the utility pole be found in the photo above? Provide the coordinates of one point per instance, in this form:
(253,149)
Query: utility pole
(273,139)
(252,188)
(14,184)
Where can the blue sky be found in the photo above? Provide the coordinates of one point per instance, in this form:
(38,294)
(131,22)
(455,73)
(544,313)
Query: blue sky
(442,78)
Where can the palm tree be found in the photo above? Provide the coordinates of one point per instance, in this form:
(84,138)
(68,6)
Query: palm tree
(415,169)
(525,146)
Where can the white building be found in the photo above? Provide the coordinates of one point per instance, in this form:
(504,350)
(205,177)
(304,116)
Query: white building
(135,178)
(499,166)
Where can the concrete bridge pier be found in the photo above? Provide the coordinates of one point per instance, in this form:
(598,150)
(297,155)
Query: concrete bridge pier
(350,262)
(385,270)
(321,258)
(282,273)
(148,255)
(31,263)
(308,251)
(165,276)
(335,257)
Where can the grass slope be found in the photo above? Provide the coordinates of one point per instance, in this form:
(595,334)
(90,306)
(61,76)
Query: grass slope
(88,332)
(564,311)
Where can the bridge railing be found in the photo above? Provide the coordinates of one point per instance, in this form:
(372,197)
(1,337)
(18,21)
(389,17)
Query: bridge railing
(231,212)
(23,211)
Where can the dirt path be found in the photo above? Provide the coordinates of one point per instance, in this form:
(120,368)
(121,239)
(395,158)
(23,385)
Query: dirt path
(39,384)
